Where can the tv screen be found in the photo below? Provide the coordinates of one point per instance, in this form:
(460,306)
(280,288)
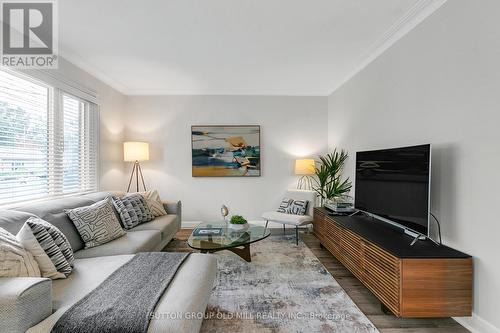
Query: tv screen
(394,184)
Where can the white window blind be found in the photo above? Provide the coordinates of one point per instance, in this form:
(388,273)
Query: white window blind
(48,141)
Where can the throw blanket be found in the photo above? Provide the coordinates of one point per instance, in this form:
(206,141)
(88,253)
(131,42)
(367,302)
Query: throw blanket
(125,300)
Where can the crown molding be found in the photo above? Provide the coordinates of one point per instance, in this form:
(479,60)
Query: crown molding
(412,18)
(83,65)
(228,92)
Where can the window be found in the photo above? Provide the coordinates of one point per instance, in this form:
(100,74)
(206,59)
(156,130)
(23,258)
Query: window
(48,141)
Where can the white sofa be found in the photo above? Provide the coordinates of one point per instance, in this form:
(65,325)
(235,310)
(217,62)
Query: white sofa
(35,304)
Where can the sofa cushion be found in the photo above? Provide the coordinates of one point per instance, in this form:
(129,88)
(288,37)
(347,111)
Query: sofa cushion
(132,242)
(126,212)
(187,293)
(15,260)
(154,202)
(24,302)
(56,234)
(52,212)
(27,238)
(13,220)
(167,225)
(97,224)
(141,207)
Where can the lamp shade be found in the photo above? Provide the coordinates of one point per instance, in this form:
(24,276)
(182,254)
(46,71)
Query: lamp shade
(135,151)
(304,167)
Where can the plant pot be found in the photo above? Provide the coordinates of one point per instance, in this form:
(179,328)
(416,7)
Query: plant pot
(238,226)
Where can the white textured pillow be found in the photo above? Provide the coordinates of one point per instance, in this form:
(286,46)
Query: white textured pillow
(154,202)
(15,261)
(26,237)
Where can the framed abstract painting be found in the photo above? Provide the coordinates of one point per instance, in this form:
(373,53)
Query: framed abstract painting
(225,151)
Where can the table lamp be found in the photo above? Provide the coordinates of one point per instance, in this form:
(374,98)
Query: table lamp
(136,152)
(305,168)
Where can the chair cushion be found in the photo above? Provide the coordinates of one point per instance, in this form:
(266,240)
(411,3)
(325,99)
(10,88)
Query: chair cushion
(287,218)
(132,242)
(166,225)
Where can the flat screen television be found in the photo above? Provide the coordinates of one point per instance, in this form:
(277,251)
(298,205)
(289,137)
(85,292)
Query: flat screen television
(394,185)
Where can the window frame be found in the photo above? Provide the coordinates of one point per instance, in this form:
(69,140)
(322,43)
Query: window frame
(56,89)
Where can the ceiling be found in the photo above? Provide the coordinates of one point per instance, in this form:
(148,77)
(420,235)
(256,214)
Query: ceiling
(233,47)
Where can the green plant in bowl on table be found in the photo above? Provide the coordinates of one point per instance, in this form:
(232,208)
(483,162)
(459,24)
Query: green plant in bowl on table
(238,219)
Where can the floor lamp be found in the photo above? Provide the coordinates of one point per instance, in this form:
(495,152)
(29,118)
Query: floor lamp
(305,168)
(136,152)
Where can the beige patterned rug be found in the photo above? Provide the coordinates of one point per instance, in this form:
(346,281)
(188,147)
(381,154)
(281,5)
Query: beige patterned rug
(284,289)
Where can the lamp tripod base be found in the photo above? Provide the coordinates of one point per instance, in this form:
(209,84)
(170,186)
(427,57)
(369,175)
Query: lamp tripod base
(305,183)
(136,169)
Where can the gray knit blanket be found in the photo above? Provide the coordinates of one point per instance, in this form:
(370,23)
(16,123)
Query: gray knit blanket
(125,300)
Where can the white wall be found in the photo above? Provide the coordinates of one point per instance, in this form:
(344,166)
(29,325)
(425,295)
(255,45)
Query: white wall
(291,127)
(440,84)
(112,121)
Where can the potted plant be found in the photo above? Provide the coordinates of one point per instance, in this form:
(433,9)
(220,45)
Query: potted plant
(328,182)
(238,222)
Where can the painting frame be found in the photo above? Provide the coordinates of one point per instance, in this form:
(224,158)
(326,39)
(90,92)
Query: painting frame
(253,169)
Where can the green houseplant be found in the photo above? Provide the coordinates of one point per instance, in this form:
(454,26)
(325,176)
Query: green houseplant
(238,222)
(328,182)
(237,219)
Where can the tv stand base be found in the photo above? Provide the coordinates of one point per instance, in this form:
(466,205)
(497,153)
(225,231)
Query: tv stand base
(417,238)
(424,280)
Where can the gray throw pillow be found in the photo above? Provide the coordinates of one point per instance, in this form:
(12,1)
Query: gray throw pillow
(295,207)
(132,210)
(126,212)
(140,203)
(50,246)
(97,224)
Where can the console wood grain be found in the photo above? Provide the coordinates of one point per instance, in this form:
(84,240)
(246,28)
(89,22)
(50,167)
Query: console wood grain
(439,286)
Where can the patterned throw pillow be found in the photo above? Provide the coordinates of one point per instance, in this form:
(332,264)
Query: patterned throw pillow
(126,212)
(140,204)
(154,202)
(28,240)
(97,224)
(39,228)
(58,237)
(285,203)
(295,207)
(15,260)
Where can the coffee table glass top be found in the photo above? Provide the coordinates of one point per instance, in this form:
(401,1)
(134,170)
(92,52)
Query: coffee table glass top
(227,237)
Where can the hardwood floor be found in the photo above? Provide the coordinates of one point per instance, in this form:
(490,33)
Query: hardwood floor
(363,298)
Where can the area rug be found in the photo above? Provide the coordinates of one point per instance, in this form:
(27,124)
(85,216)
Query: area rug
(284,289)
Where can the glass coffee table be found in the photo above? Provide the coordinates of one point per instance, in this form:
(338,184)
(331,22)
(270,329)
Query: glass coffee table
(211,237)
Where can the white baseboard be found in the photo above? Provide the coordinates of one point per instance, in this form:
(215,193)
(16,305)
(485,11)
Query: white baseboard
(476,324)
(271,225)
